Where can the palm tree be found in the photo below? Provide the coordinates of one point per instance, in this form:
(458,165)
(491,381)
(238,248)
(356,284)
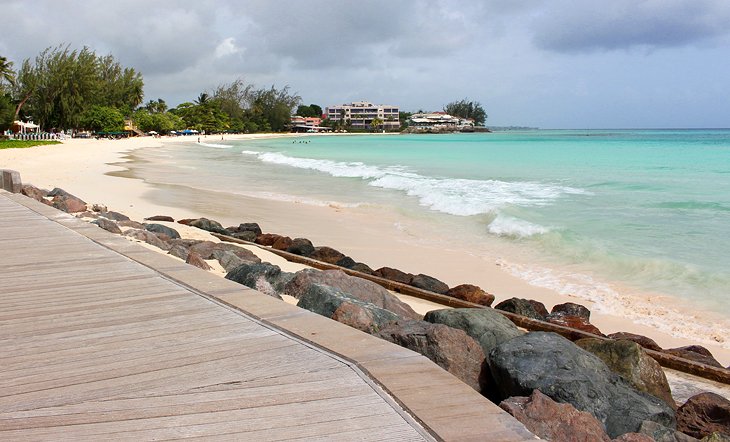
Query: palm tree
(202,98)
(6,71)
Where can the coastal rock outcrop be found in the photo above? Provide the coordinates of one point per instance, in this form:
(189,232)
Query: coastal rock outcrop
(34,192)
(345,262)
(629,360)
(160,229)
(196,260)
(264,277)
(209,225)
(108,225)
(639,339)
(361,267)
(247,227)
(488,327)
(301,246)
(282,243)
(340,306)
(450,348)
(267,239)
(358,288)
(245,235)
(148,237)
(574,316)
(327,254)
(66,202)
(524,307)
(429,283)
(164,218)
(553,421)
(660,433)
(471,293)
(394,275)
(695,353)
(704,414)
(567,373)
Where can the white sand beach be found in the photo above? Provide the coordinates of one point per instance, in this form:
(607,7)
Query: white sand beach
(81,167)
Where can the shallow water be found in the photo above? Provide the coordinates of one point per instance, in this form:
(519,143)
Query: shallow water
(603,215)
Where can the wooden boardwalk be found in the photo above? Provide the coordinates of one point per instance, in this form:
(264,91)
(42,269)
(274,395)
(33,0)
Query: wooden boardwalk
(102,339)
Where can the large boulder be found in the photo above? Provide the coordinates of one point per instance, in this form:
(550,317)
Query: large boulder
(282,243)
(567,373)
(553,421)
(197,261)
(249,227)
(471,293)
(704,414)
(115,216)
(108,225)
(301,246)
(573,316)
(345,262)
(361,267)
(429,283)
(245,235)
(34,192)
(327,254)
(264,277)
(394,275)
(450,348)
(358,288)
(66,202)
(660,433)
(209,225)
(629,360)
(488,327)
(696,353)
(267,239)
(340,306)
(148,237)
(523,307)
(639,339)
(161,229)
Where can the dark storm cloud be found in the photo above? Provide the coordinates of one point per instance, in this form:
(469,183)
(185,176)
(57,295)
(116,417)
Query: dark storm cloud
(584,26)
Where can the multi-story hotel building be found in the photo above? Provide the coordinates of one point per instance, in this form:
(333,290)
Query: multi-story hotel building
(361,113)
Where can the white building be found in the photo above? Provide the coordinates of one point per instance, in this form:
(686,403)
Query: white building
(439,120)
(361,113)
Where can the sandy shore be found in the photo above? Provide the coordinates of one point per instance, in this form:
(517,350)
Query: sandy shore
(82,167)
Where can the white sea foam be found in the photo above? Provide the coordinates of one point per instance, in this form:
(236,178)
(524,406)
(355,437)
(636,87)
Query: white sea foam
(656,311)
(217,146)
(455,196)
(511,227)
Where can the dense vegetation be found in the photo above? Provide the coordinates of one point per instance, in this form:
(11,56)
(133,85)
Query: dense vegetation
(467,109)
(77,89)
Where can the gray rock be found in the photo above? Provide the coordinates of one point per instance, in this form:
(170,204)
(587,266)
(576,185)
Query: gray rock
(115,216)
(209,225)
(567,373)
(340,306)
(108,225)
(485,325)
(523,307)
(452,349)
(629,360)
(246,235)
(660,433)
(358,288)
(229,260)
(300,246)
(148,237)
(429,283)
(250,227)
(159,228)
(264,277)
(572,309)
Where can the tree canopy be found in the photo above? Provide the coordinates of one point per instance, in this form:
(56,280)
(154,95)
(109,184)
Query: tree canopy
(102,119)
(467,109)
(61,84)
(312,110)
(7,74)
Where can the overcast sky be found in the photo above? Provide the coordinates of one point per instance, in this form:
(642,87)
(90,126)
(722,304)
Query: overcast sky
(549,64)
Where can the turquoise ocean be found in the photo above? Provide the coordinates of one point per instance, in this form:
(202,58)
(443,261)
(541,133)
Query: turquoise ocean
(597,213)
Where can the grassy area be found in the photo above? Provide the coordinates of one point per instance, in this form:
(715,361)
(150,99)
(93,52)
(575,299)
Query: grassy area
(19,144)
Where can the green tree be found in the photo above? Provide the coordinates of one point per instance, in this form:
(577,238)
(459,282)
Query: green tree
(467,109)
(7,112)
(376,123)
(102,119)
(272,108)
(157,107)
(160,122)
(312,110)
(61,84)
(7,74)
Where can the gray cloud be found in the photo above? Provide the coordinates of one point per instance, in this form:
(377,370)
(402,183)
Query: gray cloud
(584,26)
